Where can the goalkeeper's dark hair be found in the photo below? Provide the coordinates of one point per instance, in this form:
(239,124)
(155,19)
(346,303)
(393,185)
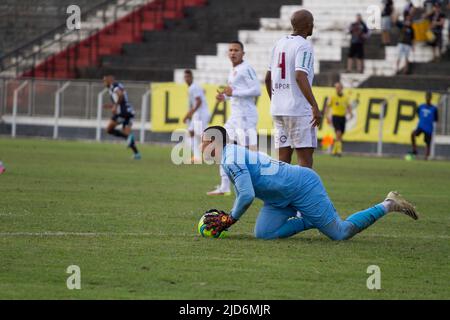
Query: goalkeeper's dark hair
(217,132)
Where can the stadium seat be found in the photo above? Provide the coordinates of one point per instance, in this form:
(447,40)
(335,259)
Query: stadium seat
(179,44)
(23,20)
(330,39)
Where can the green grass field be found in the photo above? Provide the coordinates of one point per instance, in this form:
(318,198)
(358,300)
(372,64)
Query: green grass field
(131,227)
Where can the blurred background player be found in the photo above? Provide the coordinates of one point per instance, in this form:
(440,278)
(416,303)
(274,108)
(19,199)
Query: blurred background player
(197,117)
(339,107)
(286,191)
(243,88)
(123,114)
(428,115)
(288,82)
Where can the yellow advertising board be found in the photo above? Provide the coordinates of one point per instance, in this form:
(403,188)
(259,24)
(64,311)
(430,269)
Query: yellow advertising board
(170,103)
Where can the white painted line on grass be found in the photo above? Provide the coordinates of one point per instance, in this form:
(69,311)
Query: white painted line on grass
(193,234)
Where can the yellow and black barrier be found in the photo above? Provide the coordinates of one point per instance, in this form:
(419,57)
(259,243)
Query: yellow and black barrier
(170,103)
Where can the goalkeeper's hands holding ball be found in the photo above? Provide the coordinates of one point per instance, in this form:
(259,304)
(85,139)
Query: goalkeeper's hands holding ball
(218,221)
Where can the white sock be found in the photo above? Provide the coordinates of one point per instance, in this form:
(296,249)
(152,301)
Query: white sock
(225,184)
(196,147)
(188,144)
(387,204)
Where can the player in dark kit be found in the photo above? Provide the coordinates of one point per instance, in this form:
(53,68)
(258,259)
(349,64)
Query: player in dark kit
(123,114)
(428,115)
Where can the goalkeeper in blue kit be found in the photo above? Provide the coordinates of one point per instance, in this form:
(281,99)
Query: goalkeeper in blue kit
(285,190)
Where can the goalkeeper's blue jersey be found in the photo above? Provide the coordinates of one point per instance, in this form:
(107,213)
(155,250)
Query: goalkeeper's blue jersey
(255,174)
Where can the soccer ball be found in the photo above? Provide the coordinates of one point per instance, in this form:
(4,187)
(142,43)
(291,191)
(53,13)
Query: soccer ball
(409,157)
(208,233)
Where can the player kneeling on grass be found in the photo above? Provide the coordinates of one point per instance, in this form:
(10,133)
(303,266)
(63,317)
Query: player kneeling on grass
(123,114)
(285,190)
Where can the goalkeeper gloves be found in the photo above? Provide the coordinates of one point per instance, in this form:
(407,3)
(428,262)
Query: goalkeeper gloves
(218,221)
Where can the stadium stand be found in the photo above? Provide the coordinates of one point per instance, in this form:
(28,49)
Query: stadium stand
(331,41)
(58,52)
(177,46)
(424,76)
(179,34)
(35,41)
(111,39)
(24,20)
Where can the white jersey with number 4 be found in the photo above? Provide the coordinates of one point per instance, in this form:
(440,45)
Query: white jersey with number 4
(290,54)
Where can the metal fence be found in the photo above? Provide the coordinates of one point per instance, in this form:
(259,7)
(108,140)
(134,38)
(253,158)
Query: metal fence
(78,104)
(69,103)
(441,129)
(443,125)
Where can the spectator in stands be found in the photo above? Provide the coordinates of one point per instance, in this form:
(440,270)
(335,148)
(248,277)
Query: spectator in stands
(359,34)
(386,21)
(428,116)
(405,42)
(437,20)
(409,9)
(429,4)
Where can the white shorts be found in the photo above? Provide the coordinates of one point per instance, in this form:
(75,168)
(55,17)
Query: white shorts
(199,122)
(404,50)
(294,132)
(242,129)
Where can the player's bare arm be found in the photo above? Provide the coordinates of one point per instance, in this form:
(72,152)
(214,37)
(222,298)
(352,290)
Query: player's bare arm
(350,111)
(119,93)
(220,95)
(327,110)
(303,83)
(228,91)
(268,82)
(198,104)
(118,99)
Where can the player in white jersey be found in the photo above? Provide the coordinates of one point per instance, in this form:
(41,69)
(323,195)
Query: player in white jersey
(242,90)
(197,117)
(289,80)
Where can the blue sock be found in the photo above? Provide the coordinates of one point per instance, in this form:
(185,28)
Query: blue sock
(292,227)
(364,219)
